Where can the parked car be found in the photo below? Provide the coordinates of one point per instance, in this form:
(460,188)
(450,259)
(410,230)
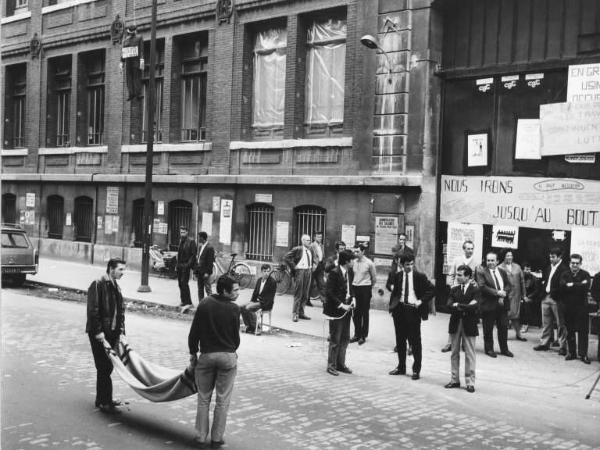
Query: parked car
(19,257)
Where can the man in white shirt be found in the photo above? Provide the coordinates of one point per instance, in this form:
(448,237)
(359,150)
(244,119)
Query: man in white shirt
(317,289)
(365,278)
(299,260)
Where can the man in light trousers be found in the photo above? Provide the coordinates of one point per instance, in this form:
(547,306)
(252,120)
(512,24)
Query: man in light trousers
(215,331)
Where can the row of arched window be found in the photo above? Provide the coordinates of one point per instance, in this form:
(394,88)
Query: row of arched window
(260,227)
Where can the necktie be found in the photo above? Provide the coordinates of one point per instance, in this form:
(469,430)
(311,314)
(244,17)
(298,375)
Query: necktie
(346,281)
(405,288)
(496,282)
(464,288)
(308,257)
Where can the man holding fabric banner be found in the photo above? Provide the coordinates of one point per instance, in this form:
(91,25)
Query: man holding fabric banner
(105,327)
(215,332)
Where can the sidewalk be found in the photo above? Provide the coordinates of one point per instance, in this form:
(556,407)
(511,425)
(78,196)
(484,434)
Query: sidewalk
(165,291)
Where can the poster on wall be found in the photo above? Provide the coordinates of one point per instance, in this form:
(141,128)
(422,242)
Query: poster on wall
(409,231)
(226,220)
(586,242)
(281,234)
(582,84)
(477,150)
(528,139)
(108,227)
(458,233)
(207,220)
(386,234)
(569,128)
(216,204)
(112,200)
(349,235)
(160,208)
(548,203)
(505,236)
(68,221)
(30,200)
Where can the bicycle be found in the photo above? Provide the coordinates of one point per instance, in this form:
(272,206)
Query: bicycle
(239,271)
(282,276)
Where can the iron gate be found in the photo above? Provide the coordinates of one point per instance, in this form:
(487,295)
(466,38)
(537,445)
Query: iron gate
(180,213)
(260,232)
(56,207)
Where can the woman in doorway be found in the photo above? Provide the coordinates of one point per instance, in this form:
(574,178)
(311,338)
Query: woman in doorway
(517,281)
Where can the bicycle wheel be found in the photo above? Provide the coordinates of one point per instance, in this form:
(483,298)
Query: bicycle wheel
(282,278)
(241,273)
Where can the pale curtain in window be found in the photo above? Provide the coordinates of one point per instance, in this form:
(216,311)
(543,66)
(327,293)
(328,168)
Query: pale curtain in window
(325,70)
(269,77)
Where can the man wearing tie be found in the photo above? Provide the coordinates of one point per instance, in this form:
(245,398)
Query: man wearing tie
(464,303)
(339,300)
(204,267)
(299,259)
(494,286)
(262,298)
(409,304)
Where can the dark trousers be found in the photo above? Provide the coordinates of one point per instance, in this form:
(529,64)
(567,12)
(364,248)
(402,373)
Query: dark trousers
(203,286)
(407,325)
(499,318)
(361,312)
(577,321)
(248,312)
(339,337)
(301,291)
(183,279)
(530,313)
(134,78)
(104,367)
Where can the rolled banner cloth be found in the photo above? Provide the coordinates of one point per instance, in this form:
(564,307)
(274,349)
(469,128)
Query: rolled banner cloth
(155,383)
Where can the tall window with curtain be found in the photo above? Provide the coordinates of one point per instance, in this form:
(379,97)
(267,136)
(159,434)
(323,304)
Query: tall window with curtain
(18,116)
(325,72)
(269,79)
(194,68)
(95,102)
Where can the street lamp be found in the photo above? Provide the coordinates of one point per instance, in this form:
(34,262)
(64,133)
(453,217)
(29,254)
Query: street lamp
(371,42)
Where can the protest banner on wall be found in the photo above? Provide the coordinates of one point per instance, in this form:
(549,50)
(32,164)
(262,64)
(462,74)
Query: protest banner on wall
(586,242)
(549,203)
(570,128)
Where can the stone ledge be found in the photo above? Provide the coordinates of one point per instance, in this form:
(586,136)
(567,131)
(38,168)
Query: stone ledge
(15,18)
(291,143)
(65,5)
(165,148)
(72,150)
(14,152)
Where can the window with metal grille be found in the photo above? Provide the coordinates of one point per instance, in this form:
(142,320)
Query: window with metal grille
(9,208)
(158,105)
(307,220)
(194,66)
(83,219)
(180,213)
(137,225)
(260,232)
(95,103)
(56,207)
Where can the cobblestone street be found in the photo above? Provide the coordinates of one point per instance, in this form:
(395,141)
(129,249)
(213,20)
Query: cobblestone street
(283,398)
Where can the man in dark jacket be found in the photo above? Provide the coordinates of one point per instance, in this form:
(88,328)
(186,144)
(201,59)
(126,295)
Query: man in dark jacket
(552,305)
(105,327)
(574,286)
(495,289)
(399,250)
(464,304)
(186,259)
(339,301)
(409,304)
(204,266)
(215,332)
(262,298)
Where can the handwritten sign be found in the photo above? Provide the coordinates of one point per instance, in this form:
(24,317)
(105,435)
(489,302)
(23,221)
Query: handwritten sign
(112,200)
(30,200)
(583,84)
(586,242)
(549,203)
(528,139)
(569,128)
(129,52)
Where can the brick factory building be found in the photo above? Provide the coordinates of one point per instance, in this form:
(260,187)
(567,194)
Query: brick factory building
(272,120)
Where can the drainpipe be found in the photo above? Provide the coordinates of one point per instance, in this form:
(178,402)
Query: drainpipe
(95,232)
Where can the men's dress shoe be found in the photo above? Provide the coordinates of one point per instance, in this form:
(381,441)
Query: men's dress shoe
(332,371)
(507,353)
(185,308)
(361,341)
(415,376)
(398,371)
(109,409)
(250,330)
(354,339)
(471,389)
(452,385)
(562,352)
(115,402)
(217,444)
(344,369)
(555,344)
(491,353)
(295,317)
(303,317)
(541,348)
(446,348)
(570,357)
(521,338)
(585,360)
